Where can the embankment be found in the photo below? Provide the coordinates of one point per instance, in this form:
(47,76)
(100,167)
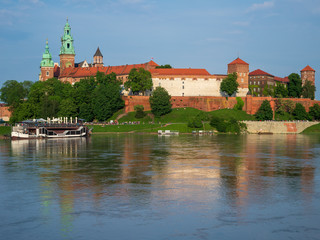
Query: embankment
(275,127)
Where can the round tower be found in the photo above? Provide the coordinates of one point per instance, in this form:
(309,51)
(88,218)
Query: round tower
(98,59)
(46,65)
(67,52)
(308,74)
(242,69)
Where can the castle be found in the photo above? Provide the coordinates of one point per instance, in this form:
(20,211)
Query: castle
(177,81)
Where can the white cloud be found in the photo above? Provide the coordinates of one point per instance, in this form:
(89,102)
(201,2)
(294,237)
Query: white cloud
(261,6)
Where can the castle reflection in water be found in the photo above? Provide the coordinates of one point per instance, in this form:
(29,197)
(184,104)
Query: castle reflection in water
(147,168)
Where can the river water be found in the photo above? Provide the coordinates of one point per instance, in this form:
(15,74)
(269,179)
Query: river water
(151,187)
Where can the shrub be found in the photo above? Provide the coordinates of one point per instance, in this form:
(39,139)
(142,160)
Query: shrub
(195,122)
(239,105)
(264,112)
(139,111)
(300,113)
(314,112)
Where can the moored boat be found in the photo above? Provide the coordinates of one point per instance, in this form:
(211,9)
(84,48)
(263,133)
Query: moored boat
(34,129)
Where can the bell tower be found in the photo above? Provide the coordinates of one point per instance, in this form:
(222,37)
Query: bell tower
(46,65)
(67,53)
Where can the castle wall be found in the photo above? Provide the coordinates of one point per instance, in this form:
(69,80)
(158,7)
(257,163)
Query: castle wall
(251,104)
(5,114)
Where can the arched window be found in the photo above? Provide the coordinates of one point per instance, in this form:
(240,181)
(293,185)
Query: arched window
(68,45)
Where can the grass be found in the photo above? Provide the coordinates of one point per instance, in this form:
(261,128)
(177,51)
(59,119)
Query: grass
(179,115)
(231,113)
(116,114)
(312,129)
(125,128)
(131,117)
(5,130)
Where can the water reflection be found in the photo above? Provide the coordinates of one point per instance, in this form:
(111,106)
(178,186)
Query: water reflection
(121,176)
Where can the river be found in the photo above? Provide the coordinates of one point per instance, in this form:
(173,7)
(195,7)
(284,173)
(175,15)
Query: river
(168,187)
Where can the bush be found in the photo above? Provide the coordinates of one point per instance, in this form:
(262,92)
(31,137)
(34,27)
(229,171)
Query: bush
(265,111)
(300,113)
(139,111)
(314,112)
(227,126)
(239,105)
(160,102)
(195,122)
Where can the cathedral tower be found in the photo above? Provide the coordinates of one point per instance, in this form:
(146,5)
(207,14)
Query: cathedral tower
(67,53)
(98,59)
(308,74)
(46,65)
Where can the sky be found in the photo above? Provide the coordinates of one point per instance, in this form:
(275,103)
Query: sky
(277,36)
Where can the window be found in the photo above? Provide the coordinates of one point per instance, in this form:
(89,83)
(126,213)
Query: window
(242,80)
(254,83)
(182,82)
(159,84)
(171,78)
(182,87)
(194,79)
(206,79)
(47,73)
(68,45)
(240,74)
(182,94)
(68,32)
(182,79)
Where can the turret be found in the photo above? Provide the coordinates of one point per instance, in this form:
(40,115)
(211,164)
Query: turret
(308,74)
(242,69)
(98,59)
(67,52)
(46,65)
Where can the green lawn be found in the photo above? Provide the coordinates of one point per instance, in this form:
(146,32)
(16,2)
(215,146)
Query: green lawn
(124,128)
(312,129)
(4,130)
(230,113)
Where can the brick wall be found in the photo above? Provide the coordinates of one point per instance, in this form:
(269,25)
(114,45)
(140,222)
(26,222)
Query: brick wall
(251,104)
(5,114)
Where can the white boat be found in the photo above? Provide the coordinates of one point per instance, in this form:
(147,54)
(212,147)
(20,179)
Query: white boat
(44,130)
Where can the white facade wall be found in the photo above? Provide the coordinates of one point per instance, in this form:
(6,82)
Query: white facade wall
(188,86)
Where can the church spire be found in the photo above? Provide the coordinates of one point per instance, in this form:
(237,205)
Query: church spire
(67,41)
(46,58)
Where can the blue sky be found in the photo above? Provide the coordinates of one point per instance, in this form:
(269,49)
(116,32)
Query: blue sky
(277,36)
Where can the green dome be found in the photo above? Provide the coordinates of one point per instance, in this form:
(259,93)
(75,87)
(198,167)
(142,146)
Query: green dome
(46,58)
(67,41)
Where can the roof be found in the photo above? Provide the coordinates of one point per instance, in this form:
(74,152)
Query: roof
(283,80)
(238,61)
(92,71)
(308,68)
(259,72)
(98,53)
(179,71)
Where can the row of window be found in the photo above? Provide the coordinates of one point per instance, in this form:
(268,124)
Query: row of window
(182,79)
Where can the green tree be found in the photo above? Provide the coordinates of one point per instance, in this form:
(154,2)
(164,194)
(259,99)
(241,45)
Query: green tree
(314,112)
(229,85)
(164,66)
(160,102)
(139,81)
(106,100)
(86,112)
(264,112)
(300,113)
(67,108)
(308,90)
(13,93)
(294,85)
(280,91)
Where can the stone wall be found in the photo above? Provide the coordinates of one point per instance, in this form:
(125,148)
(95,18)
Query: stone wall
(276,127)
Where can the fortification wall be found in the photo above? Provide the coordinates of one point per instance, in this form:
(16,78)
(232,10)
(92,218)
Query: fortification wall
(251,104)
(5,114)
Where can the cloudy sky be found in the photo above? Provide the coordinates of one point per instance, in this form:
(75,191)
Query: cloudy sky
(277,36)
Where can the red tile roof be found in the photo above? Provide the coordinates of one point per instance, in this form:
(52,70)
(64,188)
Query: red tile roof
(238,61)
(308,68)
(179,71)
(259,72)
(283,80)
(80,72)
